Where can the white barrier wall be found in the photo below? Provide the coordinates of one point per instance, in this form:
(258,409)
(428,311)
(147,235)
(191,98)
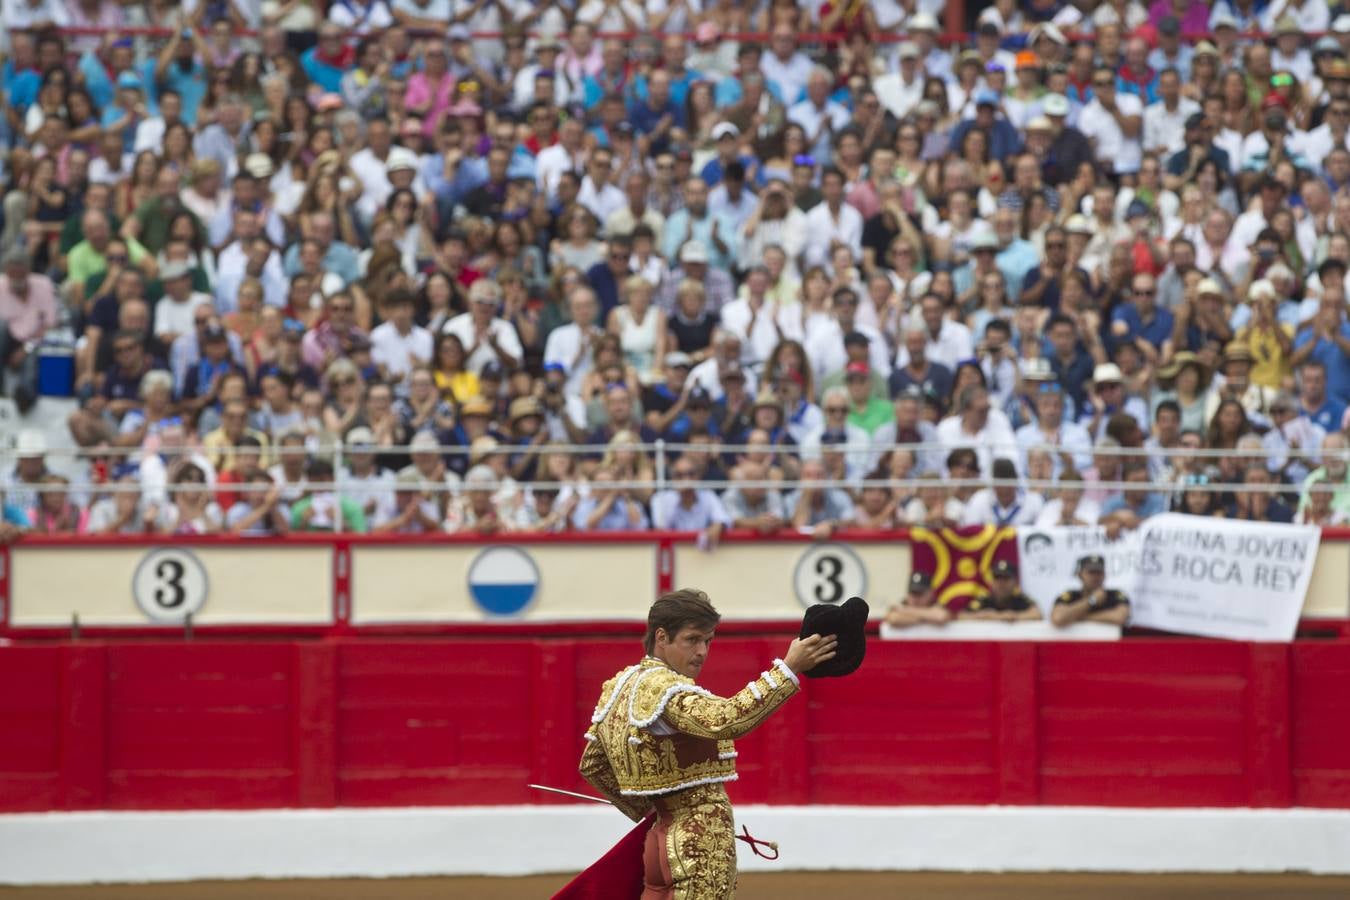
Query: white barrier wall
(280,584)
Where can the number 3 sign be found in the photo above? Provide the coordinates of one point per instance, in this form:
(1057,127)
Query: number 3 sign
(829,573)
(169,584)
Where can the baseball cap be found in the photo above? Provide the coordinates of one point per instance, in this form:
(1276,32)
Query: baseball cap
(856,339)
(129,81)
(1078,224)
(1004,568)
(920,581)
(1028,60)
(400,160)
(1136,209)
(907,50)
(1169,25)
(698,398)
(1055,105)
(360,436)
(458,32)
(174,269)
(694,252)
(1093,562)
(857,368)
(1327,44)
(1040,123)
(725,129)
(986,97)
(213,331)
(923,21)
(293,328)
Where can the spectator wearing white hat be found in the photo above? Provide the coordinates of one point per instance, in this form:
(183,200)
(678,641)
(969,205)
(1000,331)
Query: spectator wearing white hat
(900,91)
(924,29)
(695,265)
(485,335)
(1108,396)
(174,311)
(714,235)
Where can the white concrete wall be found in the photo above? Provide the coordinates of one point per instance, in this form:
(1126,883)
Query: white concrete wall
(76,848)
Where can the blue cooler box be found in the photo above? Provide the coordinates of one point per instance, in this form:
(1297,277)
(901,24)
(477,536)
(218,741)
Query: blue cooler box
(56,370)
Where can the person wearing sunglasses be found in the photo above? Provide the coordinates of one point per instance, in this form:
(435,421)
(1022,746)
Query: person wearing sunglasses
(1113,122)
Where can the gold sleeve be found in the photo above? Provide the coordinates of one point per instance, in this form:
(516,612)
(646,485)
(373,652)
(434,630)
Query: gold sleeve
(703,714)
(595,768)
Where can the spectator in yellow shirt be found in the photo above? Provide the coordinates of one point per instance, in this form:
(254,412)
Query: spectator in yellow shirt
(1270,341)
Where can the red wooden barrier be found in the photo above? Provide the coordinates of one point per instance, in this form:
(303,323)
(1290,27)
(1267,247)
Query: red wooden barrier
(218,724)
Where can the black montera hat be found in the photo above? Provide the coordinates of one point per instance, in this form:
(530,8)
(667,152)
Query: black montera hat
(847,622)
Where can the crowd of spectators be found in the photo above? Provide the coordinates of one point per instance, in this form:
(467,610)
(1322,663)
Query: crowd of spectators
(387,265)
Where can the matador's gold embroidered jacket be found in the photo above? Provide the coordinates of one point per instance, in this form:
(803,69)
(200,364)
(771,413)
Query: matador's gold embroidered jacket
(655,732)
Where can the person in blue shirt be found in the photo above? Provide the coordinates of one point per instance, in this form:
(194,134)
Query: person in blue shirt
(656,114)
(1136,503)
(1326,338)
(1142,318)
(127,111)
(609,509)
(329,60)
(1322,410)
(20,78)
(1003,138)
(179,68)
(728,138)
(686,508)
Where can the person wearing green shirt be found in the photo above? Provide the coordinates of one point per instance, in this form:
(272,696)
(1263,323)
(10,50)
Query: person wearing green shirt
(321,506)
(97,196)
(866,411)
(857,348)
(150,222)
(1333,470)
(89,257)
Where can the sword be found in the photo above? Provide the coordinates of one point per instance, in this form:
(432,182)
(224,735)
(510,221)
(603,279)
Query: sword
(553,790)
(754,842)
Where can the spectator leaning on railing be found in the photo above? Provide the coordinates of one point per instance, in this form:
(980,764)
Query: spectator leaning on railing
(318,275)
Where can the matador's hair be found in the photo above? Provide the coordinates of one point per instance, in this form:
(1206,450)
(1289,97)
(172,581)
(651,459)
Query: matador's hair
(678,610)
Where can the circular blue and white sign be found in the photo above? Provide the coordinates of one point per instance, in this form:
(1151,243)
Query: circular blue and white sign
(503,580)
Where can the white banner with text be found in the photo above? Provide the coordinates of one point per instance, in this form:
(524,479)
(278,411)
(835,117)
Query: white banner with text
(1186,574)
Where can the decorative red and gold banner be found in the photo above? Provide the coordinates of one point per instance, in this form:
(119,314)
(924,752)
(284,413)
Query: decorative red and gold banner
(960,560)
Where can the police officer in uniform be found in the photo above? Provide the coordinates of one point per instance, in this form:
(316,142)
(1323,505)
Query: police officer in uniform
(1093,602)
(920,606)
(1005,602)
